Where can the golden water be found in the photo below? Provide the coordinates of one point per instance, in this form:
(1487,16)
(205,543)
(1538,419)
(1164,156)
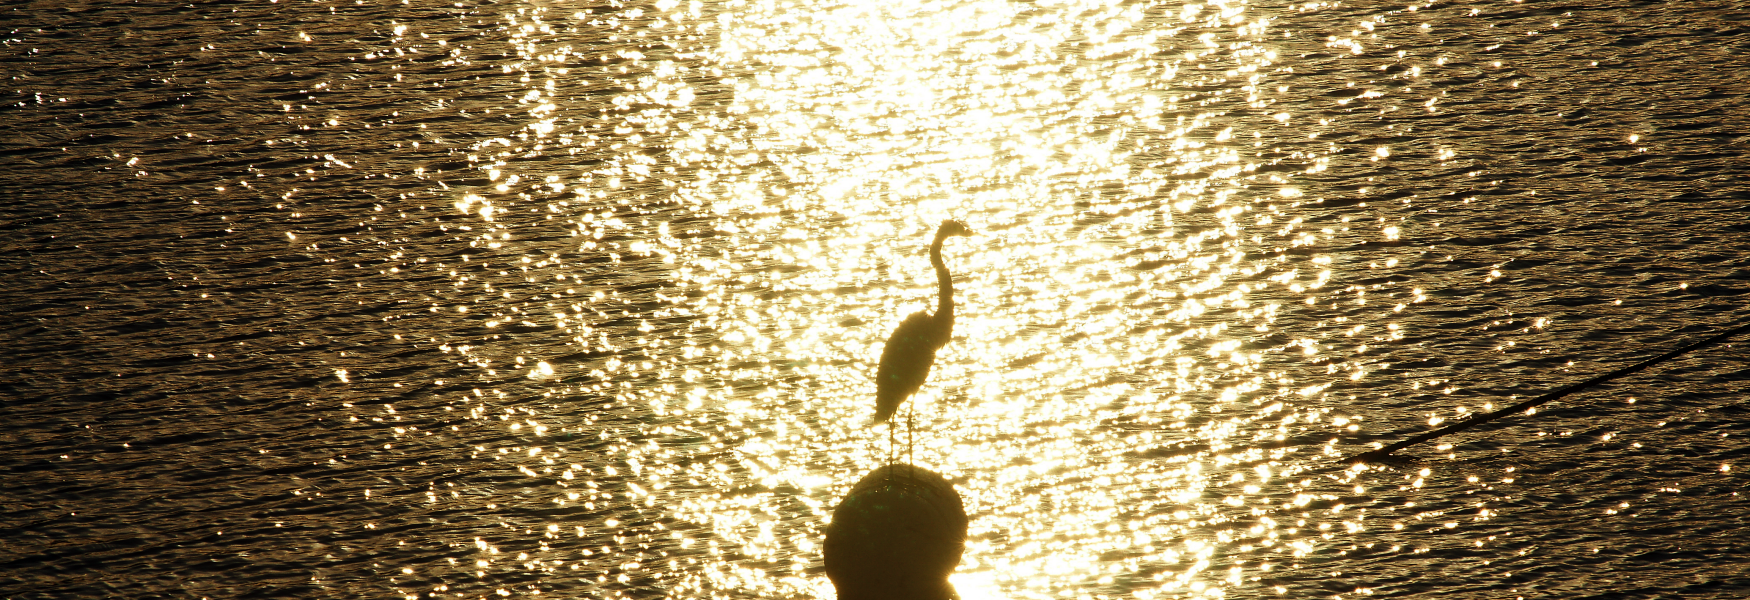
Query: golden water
(1113,406)
(318,299)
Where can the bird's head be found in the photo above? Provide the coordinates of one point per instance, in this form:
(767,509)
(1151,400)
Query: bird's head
(952,227)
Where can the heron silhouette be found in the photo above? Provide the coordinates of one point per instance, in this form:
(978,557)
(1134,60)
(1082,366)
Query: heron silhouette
(911,350)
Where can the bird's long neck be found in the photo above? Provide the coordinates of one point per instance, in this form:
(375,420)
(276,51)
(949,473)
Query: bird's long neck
(944,289)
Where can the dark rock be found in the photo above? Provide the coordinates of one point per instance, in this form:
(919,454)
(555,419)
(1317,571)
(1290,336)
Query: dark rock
(898,534)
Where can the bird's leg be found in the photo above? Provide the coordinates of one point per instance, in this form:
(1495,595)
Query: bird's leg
(910,433)
(890,427)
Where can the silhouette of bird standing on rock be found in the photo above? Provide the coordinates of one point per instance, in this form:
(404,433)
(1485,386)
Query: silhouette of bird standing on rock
(911,350)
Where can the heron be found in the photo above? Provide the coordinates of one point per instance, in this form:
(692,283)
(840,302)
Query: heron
(911,350)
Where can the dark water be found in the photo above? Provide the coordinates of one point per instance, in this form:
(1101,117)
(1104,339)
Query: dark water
(266,339)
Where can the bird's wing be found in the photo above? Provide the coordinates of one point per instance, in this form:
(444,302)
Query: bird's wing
(905,363)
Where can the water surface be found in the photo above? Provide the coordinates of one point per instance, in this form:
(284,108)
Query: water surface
(460,300)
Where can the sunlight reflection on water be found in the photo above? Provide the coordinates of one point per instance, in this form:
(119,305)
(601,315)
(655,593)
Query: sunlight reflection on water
(1115,406)
(544,298)
(1106,303)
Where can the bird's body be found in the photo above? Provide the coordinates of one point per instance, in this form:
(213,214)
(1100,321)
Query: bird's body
(911,350)
(905,362)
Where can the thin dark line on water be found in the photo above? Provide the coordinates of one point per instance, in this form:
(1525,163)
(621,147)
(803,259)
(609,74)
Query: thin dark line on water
(1376,455)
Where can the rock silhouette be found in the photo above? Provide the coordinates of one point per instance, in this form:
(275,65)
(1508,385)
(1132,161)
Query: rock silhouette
(898,534)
